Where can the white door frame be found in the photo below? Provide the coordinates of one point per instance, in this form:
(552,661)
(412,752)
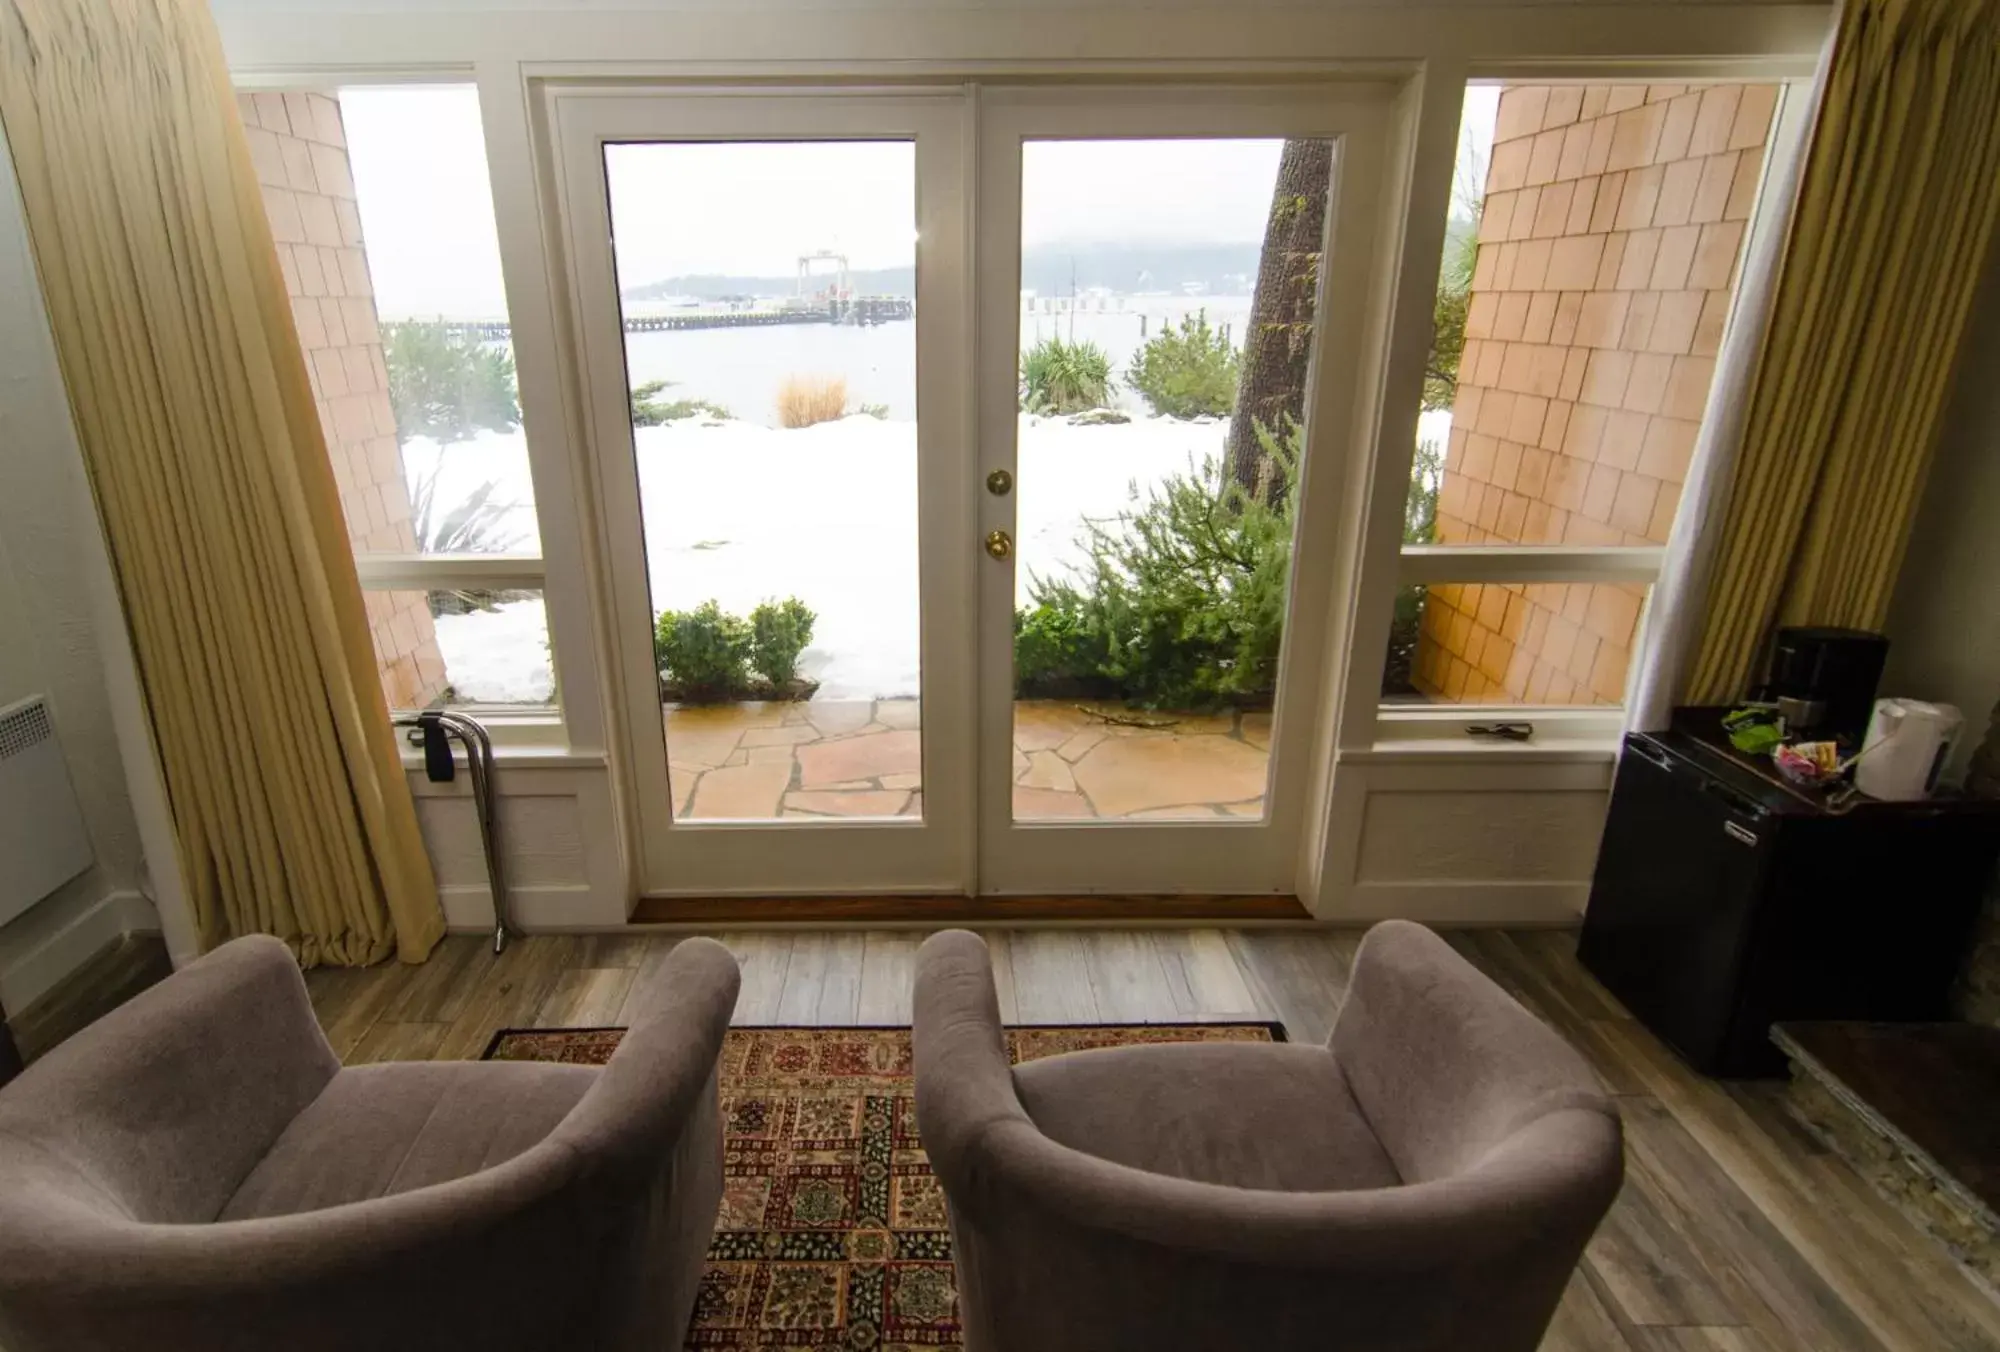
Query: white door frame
(934,854)
(1219,856)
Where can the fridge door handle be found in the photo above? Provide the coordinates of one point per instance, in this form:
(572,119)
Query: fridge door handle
(1650,754)
(1741,803)
(1737,831)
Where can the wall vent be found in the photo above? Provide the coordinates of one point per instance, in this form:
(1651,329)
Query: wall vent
(25,727)
(42,839)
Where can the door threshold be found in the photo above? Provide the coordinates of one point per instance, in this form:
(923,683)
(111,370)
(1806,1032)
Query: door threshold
(959,910)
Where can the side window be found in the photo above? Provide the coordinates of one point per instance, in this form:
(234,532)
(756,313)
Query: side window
(379,202)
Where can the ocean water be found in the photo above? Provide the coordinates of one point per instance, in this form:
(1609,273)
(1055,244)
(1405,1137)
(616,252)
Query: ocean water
(741,369)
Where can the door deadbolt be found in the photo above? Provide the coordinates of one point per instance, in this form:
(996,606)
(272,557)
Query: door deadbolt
(999,483)
(999,543)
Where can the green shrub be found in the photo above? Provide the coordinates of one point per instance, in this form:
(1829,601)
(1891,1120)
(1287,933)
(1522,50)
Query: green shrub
(1420,508)
(880,412)
(1183,602)
(1405,634)
(779,632)
(649,410)
(446,384)
(1058,648)
(1448,313)
(1058,377)
(1187,371)
(704,651)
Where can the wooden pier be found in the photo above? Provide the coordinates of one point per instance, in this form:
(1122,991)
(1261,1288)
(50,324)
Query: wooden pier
(860,310)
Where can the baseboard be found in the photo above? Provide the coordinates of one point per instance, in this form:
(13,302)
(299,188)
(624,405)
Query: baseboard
(920,911)
(468,907)
(1459,904)
(74,942)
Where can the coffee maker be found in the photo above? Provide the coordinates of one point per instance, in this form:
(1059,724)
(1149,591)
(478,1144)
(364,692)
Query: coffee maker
(1823,681)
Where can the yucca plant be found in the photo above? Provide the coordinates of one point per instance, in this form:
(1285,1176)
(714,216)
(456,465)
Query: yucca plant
(475,525)
(1059,376)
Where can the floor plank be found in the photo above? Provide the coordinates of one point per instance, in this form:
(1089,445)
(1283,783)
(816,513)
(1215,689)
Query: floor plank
(510,995)
(1000,949)
(1648,1270)
(1290,981)
(1126,979)
(1737,1232)
(805,973)
(586,997)
(888,971)
(648,986)
(840,988)
(106,980)
(1052,977)
(1582,1323)
(1698,1340)
(1216,984)
(763,958)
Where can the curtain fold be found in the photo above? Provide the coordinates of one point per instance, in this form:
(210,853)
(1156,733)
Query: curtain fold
(1674,625)
(209,469)
(1897,204)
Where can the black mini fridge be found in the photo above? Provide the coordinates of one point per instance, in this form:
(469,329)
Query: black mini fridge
(1726,900)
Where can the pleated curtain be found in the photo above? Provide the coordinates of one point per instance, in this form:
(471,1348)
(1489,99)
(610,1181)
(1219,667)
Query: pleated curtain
(1896,211)
(211,479)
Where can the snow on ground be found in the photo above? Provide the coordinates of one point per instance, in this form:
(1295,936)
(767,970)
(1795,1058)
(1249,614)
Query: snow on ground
(498,656)
(741,513)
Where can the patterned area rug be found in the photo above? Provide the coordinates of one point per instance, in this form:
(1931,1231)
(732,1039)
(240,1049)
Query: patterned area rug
(832,1233)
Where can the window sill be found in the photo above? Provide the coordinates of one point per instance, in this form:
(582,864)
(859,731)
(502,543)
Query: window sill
(519,757)
(1544,750)
(1438,734)
(524,738)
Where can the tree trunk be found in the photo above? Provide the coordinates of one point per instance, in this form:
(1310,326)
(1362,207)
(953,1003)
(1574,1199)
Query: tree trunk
(1272,385)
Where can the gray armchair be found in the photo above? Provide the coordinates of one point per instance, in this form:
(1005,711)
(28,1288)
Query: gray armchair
(196,1170)
(1425,1182)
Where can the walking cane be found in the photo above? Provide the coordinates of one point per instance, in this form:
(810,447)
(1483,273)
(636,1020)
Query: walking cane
(438,727)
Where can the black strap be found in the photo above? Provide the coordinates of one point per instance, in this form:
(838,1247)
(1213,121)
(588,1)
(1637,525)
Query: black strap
(438,766)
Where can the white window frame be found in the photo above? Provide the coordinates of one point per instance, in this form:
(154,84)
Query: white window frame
(565,726)
(1369,728)
(510,724)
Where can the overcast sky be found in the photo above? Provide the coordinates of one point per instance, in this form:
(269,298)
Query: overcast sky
(419,166)
(427,212)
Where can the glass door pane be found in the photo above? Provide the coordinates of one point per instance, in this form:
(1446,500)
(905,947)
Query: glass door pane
(768,295)
(1167,325)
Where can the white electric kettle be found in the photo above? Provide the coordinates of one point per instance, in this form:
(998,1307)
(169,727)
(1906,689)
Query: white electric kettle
(1907,745)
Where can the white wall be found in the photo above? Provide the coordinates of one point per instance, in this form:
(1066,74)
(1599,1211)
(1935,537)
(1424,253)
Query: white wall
(1944,628)
(50,643)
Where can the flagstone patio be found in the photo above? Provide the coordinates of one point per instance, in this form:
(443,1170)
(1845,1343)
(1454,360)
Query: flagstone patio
(863,758)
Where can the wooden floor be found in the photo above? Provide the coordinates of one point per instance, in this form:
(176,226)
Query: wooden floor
(1735,1233)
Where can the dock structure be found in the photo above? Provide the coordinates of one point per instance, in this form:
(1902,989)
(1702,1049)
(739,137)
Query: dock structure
(862,310)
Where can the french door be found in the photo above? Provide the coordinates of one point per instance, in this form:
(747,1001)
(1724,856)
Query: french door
(933,563)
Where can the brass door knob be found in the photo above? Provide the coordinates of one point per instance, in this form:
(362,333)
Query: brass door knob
(999,483)
(999,543)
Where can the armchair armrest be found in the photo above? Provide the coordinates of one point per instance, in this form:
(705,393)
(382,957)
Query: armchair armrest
(666,1060)
(162,1107)
(965,1086)
(1445,1065)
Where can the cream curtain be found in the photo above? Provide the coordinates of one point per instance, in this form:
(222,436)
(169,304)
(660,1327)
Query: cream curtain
(1680,597)
(1898,202)
(212,482)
